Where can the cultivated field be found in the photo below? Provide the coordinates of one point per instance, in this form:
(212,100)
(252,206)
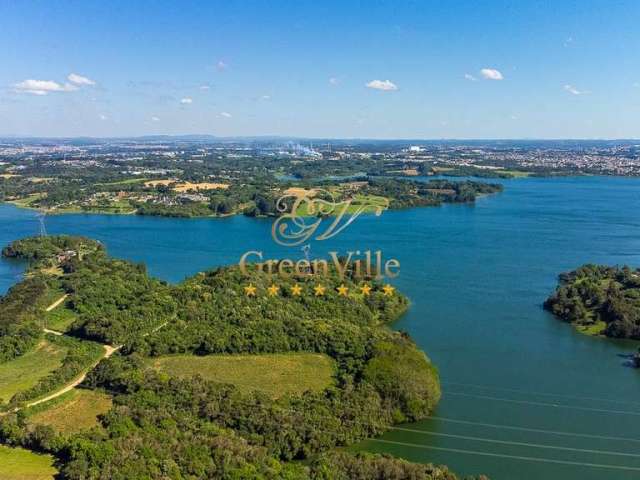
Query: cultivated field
(73,412)
(274,374)
(20,464)
(25,371)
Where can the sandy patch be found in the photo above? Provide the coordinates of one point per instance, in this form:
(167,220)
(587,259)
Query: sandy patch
(185,187)
(155,183)
(300,192)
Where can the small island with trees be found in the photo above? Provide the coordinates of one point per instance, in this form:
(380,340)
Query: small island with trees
(600,300)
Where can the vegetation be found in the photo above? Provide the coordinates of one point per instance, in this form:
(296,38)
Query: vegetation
(75,411)
(115,301)
(80,355)
(217,186)
(366,466)
(25,372)
(19,311)
(60,319)
(473,171)
(404,193)
(273,374)
(193,427)
(599,299)
(21,464)
(50,250)
(23,308)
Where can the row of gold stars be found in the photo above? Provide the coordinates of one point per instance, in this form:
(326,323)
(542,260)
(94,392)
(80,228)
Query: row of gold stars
(318,290)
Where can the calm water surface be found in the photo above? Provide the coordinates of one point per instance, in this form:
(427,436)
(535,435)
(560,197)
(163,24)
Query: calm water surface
(525,396)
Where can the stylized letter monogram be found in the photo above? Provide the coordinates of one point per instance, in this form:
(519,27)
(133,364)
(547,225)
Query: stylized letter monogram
(298,224)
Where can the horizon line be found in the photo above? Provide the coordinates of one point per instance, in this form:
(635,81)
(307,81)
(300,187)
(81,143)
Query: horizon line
(297,137)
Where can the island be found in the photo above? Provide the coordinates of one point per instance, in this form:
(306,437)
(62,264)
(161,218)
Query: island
(599,300)
(111,373)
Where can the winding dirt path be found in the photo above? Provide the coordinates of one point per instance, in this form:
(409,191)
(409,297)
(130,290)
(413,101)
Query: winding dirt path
(57,302)
(52,332)
(108,351)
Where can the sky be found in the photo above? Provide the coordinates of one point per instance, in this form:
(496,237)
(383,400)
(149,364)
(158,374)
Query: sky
(321,69)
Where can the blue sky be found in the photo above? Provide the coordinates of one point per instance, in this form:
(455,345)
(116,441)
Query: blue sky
(450,69)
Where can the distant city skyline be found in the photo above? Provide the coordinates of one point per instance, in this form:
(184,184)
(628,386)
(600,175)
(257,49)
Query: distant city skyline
(376,70)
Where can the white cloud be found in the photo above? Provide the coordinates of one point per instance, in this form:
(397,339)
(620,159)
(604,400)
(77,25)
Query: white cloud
(186,101)
(333,81)
(102,116)
(265,97)
(574,91)
(42,87)
(491,74)
(79,79)
(205,87)
(225,114)
(385,85)
(221,66)
(468,76)
(155,119)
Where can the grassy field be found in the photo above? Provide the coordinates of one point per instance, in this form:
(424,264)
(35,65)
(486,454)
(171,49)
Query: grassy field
(274,374)
(25,371)
(73,412)
(60,318)
(516,173)
(51,296)
(27,201)
(593,330)
(20,464)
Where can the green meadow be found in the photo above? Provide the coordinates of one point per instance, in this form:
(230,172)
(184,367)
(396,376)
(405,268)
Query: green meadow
(60,319)
(72,412)
(273,374)
(25,371)
(20,464)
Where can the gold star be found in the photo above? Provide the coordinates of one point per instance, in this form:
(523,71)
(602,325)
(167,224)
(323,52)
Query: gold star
(273,290)
(296,289)
(319,289)
(250,290)
(365,289)
(342,290)
(388,290)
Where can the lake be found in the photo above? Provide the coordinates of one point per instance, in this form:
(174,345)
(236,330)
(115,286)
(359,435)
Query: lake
(525,396)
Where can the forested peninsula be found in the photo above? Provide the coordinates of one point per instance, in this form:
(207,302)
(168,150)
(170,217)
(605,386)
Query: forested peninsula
(159,417)
(599,300)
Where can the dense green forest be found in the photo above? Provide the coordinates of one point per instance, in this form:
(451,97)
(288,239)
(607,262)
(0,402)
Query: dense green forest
(190,428)
(20,310)
(606,299)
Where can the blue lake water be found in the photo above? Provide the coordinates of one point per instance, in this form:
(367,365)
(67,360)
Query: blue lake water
(525,396)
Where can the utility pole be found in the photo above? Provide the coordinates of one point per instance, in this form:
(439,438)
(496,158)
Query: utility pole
(43,229)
